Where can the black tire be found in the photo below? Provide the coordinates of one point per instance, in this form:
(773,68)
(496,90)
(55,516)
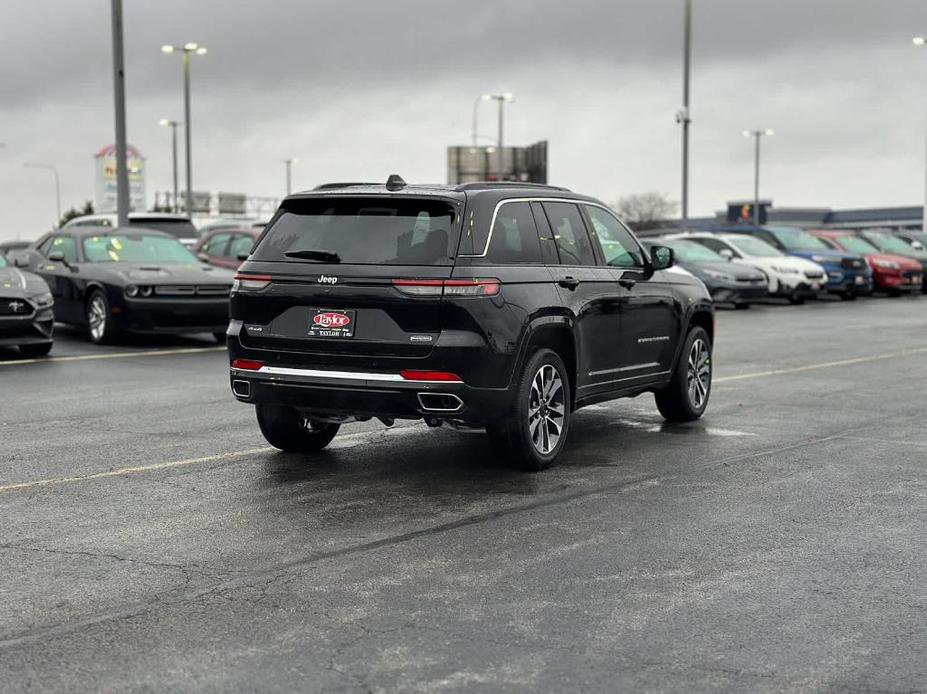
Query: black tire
(285,428)
(220,338)
(35,351)
(517,442)
(848,296)
(676,402)
(796,299)
(107,332)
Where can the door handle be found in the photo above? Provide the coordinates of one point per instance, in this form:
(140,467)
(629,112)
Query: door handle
(570,283)
(627,283)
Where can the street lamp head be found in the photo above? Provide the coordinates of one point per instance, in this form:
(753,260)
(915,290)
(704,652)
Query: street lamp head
(486,97)
(919,40)
(508,97)
(747,133)
(167,49)
(190,46)
(769,131)
(201,50)
(164,121)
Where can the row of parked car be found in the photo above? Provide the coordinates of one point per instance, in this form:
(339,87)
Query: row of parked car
(742,264)
(162,275)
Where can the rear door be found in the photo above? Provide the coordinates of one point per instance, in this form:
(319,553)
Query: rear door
(650,309)
(357,281)
(591,291)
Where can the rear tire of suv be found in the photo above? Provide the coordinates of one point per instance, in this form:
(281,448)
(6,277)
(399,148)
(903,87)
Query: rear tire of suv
(285,428)
(532,438)
(686,396)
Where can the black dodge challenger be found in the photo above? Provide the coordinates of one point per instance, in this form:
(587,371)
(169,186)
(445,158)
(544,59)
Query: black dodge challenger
(26,319)
(114,281)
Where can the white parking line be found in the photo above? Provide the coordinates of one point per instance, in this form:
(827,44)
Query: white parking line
(822,365)
(113,355)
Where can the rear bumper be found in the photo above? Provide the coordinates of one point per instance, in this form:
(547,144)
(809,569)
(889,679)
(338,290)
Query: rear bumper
(367,394)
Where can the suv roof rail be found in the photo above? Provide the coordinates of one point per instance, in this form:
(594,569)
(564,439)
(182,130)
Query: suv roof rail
(489,185)
(347,184)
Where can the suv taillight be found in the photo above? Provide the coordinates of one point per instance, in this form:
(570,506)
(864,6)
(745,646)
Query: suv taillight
(250,283)
(462,287)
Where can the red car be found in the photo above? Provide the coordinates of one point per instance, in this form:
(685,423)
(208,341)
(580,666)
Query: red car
(224,247)
(890,273)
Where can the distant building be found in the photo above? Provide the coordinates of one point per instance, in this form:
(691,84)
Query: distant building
(469,164)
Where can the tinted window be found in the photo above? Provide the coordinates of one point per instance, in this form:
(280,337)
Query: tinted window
(241,245)
(135,248)
(62,244)
(369,231)
(749,245)
(715,244)
(799,240)
(618,246)
(215,246)
(570,233)
(514,236)
(888,242)
(691,252)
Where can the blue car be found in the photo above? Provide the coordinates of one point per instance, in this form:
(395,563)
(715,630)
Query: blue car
(848,275)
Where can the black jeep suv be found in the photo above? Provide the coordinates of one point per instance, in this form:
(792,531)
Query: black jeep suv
(497,305)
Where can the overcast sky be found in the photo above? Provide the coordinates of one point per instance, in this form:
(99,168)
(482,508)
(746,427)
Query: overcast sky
(362,89)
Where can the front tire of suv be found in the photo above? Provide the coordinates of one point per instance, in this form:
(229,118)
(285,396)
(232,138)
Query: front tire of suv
(285,428)
(686,396)
(532,438)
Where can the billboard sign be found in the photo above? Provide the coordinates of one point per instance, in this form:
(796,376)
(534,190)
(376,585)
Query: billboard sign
(105,179)
(232,203)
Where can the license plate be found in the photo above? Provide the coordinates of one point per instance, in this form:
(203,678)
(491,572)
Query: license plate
(917,279)
(815,286)
(326,322)
(860,279)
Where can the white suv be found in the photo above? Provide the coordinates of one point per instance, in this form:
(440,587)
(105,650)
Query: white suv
(177,225)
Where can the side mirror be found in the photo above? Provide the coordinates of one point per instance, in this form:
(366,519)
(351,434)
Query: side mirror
(917,245)
(726,253)
(662,257)
(56,257)
(202,257)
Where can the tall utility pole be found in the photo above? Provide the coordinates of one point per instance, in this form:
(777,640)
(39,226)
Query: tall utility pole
(186,50)
(683,116)
(476,107)
(119,92)
(501,99)
(289,173)
(172,124)
(757,135)
(920,42)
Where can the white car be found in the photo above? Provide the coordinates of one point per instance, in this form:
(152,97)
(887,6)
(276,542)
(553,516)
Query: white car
(795,279)
(177,225)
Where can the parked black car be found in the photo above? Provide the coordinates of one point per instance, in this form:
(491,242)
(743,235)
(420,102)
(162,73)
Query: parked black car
(113,281)
(26,318)
(504,306)
(727,282)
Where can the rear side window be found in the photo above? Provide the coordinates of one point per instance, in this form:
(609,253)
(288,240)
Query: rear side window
(364,231)
(618,246)
(514,236)
(569,233)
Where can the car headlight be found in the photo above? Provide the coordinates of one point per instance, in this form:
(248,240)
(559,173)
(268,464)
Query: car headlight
(131,290)
(820,259)
(42,300)
(718,275)
(785,270)
(887,264)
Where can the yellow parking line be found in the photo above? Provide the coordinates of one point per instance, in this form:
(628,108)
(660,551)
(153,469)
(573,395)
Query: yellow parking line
(113,355)
(821,365)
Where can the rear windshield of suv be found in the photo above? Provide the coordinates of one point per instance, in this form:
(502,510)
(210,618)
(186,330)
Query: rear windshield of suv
(363,231)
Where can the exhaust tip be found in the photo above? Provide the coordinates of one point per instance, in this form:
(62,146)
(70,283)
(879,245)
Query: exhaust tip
(447,403)
(241,388)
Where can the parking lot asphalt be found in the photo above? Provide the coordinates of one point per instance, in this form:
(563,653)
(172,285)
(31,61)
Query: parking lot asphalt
(151,540)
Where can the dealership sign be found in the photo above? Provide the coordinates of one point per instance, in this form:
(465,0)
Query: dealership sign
(105,186)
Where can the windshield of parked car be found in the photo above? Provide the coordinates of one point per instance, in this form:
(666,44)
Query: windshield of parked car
(799,240)
(888,242)
(178,228)
(2,260)
(132,248)
(366,231)
(856,244)
(691,252)
(752,246)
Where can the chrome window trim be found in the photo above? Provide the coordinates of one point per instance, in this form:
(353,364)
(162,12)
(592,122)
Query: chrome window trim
(572,201)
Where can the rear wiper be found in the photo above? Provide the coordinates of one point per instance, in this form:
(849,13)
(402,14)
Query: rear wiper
(315,254)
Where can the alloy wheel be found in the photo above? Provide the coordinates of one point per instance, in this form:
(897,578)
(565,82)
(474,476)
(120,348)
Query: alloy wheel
(546,409)
(699,374)
(96,317)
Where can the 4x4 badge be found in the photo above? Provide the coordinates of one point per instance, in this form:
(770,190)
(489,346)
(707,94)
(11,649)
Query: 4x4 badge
(326,279)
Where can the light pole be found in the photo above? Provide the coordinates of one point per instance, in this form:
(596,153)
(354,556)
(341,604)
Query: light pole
(757,135)
(186,50)
(289,170)
(172,124)
(119,101)
(51,168)
(920,42)
(476,106)
(683,115)
(501,99)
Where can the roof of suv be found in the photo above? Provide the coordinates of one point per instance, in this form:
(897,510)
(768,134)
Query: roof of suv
(447,190)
